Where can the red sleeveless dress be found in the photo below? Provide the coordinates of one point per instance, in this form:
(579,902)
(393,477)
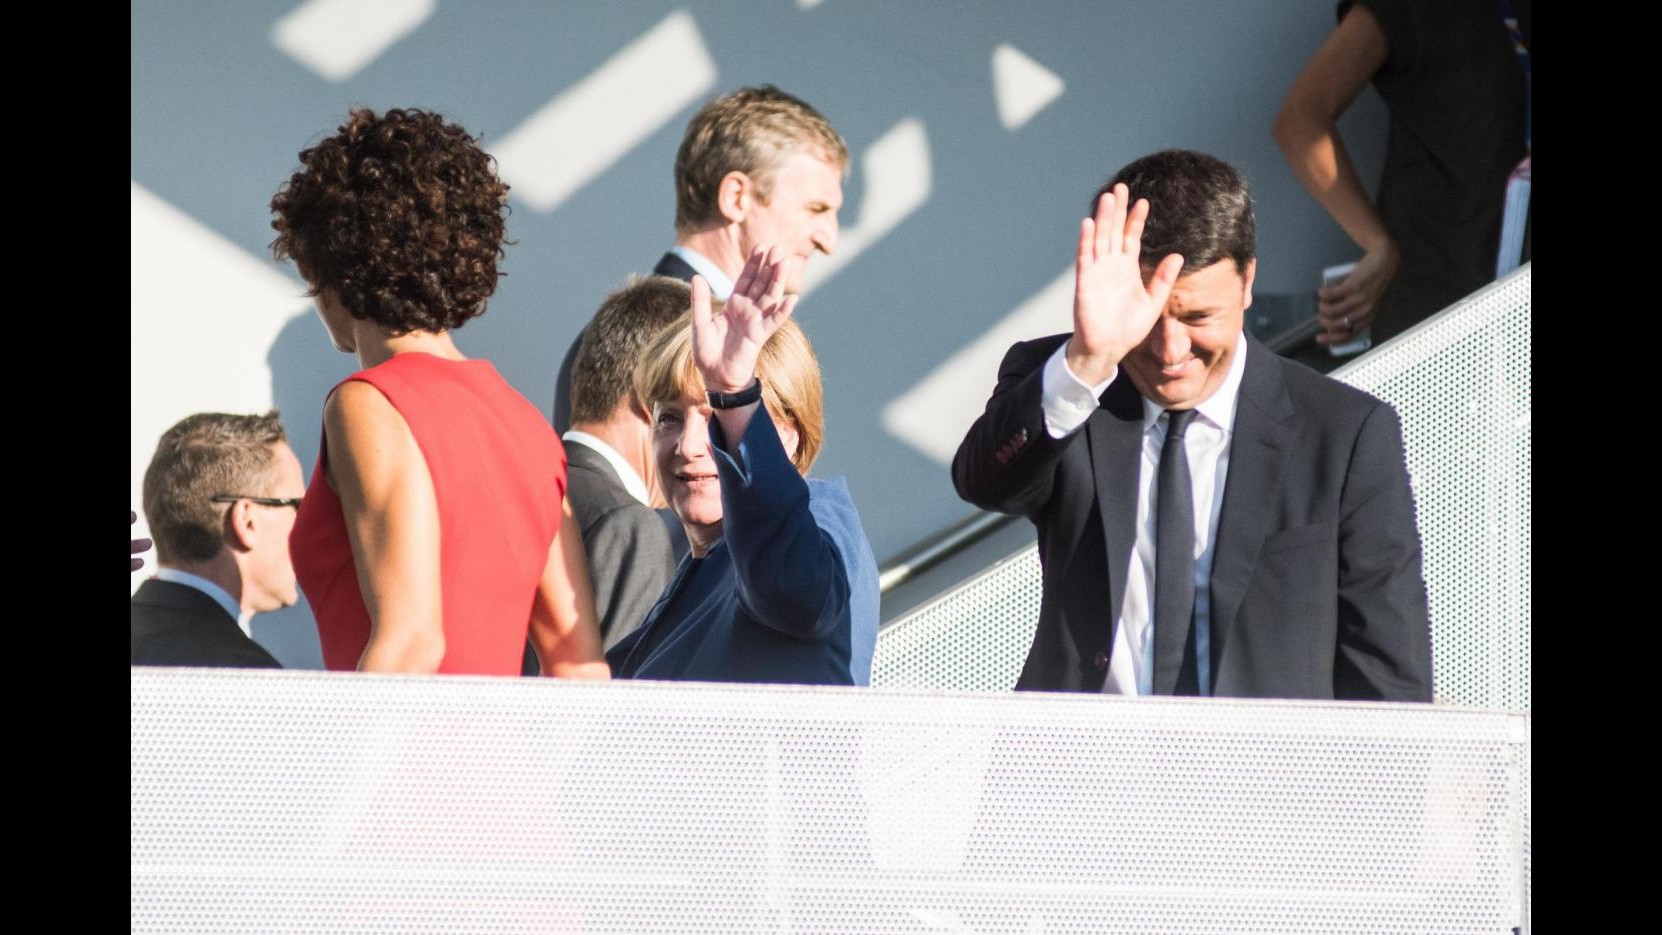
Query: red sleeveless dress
(499,473)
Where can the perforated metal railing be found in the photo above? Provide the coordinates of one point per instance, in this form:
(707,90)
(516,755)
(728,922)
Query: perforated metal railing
(1461,383)
(317,802)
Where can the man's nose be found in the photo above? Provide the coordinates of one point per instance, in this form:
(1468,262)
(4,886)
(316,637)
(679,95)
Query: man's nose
(1171,340)
(825,234)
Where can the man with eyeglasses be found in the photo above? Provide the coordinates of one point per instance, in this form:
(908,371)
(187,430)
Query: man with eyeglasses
(220,494)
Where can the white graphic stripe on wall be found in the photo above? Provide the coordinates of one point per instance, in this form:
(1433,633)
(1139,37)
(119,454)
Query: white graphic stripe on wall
(897,176)
(592,124)
(337,38)
(934,414)
(1021,86)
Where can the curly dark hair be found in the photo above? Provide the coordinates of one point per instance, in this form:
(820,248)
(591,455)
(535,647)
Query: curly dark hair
(401,215)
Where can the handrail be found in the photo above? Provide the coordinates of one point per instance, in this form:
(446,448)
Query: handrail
(938,548)
(1295,338)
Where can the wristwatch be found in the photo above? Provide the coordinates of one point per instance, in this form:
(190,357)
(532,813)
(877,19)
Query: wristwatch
(743,397)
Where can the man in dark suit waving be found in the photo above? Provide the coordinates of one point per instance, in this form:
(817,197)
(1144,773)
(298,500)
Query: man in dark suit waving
(220,494)
(757,166)
(1212,519)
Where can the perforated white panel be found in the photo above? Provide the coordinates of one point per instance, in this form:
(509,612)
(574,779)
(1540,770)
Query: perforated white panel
(973,638)
(1461,384)
(1523,799)
(316,802)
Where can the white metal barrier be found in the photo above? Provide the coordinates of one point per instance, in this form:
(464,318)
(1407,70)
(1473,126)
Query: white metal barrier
(1461,383)
(319,802)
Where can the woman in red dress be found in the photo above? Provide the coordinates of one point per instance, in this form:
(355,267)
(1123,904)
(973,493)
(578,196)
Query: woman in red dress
(435,532)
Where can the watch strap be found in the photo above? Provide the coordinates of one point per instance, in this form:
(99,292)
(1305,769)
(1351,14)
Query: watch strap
(744,397)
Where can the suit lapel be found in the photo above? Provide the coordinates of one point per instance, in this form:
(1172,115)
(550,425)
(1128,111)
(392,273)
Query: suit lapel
(1115,432)
(1251,491)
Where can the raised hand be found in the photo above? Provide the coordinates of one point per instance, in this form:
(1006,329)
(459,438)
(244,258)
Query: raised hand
(1113,310)
(725,343)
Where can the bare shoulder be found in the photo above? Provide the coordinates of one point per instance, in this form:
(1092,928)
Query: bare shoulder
(367,435)
(357,403)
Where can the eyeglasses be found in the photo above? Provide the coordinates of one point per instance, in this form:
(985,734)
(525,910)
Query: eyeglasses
(262,501)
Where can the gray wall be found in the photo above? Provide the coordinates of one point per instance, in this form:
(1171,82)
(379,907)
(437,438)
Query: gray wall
(220,109)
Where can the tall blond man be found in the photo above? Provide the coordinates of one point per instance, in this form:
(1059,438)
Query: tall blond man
(757,166)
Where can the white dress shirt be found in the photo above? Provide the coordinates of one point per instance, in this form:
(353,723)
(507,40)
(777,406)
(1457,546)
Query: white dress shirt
(1068,402)
(721,285)
(244,618)
(626,473)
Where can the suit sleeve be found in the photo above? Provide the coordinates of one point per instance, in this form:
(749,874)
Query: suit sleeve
(630,562)
(791,558)
(1384,627)
(1007,461)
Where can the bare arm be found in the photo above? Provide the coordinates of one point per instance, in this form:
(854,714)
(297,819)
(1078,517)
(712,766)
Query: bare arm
(564,626)
(392,519)
(1307,131)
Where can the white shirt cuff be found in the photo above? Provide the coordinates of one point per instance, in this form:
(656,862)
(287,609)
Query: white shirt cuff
(1067,400)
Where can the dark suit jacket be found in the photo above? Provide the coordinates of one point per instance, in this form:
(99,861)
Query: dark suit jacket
(630,560)
(1316,586)
(670,527)
(669,265)
(177,625)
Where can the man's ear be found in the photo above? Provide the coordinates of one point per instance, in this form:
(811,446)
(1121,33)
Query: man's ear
(638,409)
(1246,280)
(735,195)
(238,527)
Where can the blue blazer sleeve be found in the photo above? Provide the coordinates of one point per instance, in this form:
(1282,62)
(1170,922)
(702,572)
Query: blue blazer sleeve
(791,552)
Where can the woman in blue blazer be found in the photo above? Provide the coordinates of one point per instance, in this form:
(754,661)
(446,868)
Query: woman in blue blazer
(780,585)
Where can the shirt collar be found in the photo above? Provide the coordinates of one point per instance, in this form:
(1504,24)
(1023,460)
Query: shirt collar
(1219,408)
(721,285)
(221,596)
(626,473)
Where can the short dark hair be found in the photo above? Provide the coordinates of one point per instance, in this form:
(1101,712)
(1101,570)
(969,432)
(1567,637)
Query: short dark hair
(201,457)
(401,215)
(751,130)
(602,375)
(1198,206)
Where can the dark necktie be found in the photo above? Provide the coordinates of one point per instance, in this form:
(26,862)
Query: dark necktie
(1175,672)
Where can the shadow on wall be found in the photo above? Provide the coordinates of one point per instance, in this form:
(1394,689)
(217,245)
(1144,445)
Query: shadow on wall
(304,367)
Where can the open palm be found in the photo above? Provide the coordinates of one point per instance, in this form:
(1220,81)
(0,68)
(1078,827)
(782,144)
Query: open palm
(726,342)
(1113,309)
